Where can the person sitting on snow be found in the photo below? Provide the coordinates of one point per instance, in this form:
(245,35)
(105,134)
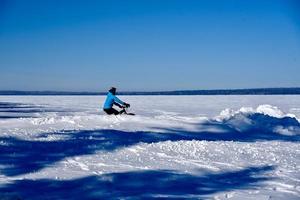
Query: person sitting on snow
(111,100)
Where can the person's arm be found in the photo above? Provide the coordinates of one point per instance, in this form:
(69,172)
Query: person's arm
(117,100)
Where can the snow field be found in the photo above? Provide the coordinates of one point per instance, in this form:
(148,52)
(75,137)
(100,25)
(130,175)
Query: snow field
(253,143)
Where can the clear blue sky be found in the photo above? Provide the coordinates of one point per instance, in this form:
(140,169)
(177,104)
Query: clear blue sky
(149,45)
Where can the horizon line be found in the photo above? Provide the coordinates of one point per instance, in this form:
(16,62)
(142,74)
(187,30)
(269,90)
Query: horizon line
(267,90)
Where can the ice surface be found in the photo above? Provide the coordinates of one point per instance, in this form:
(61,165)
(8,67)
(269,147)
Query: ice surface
(198,147)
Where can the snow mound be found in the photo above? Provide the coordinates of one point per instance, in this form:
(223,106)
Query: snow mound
(265,118)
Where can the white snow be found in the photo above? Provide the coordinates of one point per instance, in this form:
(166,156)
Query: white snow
(198,147)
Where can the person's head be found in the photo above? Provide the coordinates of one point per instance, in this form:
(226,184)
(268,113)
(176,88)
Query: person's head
(113,90)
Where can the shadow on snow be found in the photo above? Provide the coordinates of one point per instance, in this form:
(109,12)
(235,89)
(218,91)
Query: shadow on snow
(19,156)
(9,110)
(138,184)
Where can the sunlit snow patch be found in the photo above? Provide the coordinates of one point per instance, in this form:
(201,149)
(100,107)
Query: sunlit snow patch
(264,117)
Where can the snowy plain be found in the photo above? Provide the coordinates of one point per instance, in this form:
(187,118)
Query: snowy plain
(176,147)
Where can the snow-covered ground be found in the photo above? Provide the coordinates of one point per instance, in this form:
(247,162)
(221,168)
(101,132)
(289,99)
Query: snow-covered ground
(194,147)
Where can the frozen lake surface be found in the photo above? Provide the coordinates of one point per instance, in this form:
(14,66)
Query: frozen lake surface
(193,147)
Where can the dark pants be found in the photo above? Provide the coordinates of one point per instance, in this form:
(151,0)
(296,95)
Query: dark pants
(113,111)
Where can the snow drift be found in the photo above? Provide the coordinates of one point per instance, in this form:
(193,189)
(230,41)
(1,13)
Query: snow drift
(264,118)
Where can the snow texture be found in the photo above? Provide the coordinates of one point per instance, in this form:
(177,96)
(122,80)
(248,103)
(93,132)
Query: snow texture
(176,147)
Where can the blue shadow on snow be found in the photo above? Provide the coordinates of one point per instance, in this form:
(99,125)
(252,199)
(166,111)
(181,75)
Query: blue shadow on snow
(19,156)
(137,185)
(9,110)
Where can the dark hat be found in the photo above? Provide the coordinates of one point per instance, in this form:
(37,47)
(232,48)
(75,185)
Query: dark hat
(112,90)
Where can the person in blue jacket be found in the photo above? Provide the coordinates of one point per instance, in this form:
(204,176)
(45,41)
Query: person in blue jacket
(111,100)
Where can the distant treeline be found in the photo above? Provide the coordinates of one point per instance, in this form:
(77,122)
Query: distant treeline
(257,91)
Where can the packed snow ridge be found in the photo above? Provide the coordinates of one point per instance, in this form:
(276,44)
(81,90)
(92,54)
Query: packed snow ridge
(264,117)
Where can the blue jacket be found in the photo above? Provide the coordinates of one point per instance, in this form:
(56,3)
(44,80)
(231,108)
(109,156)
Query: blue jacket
(110,100)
